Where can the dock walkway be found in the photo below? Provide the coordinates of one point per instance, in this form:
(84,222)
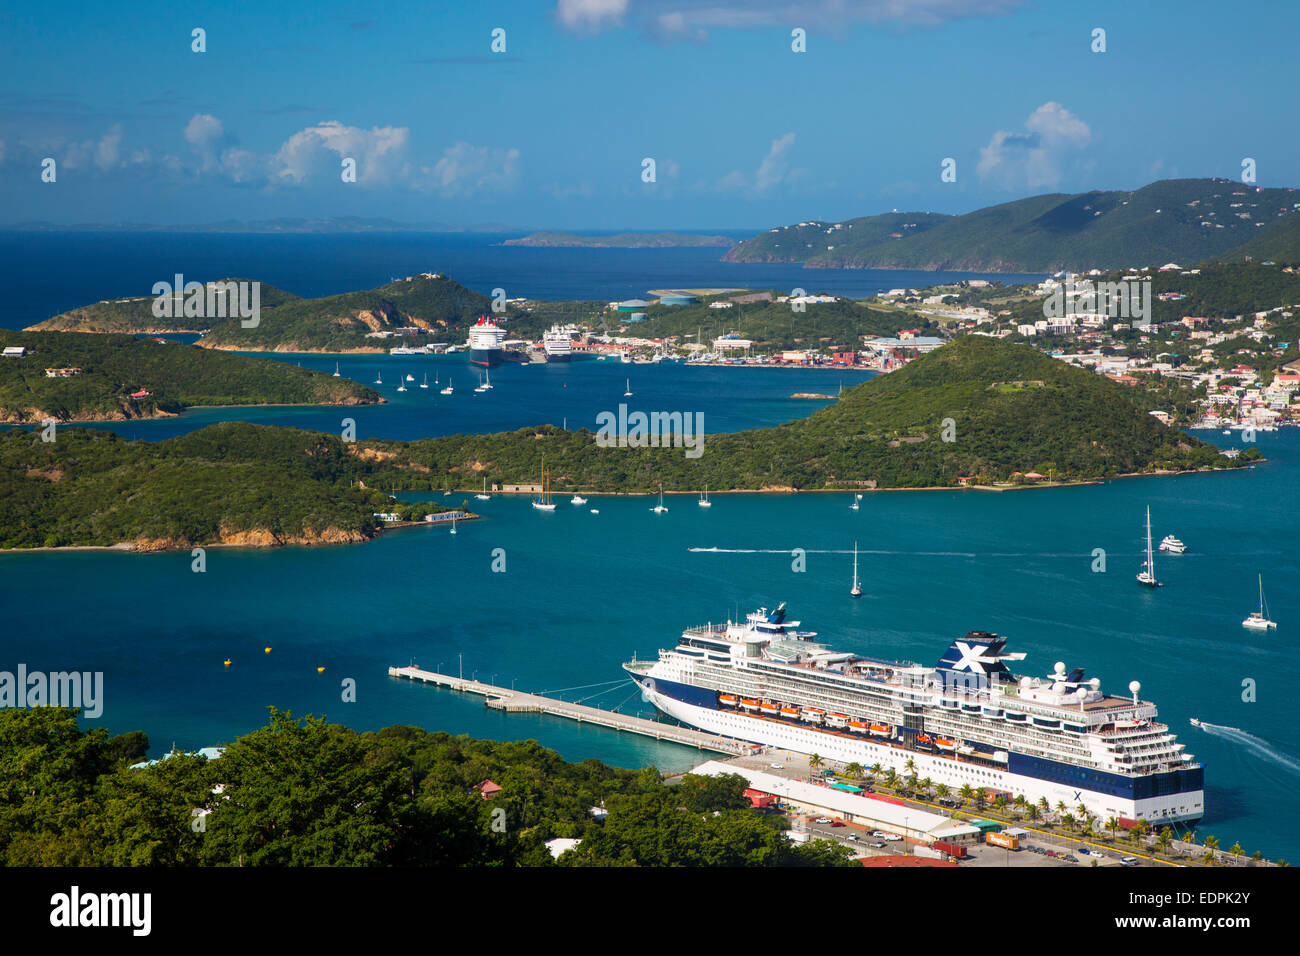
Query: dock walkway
(517,702)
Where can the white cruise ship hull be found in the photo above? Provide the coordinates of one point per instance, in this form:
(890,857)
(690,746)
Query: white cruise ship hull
(1178,808)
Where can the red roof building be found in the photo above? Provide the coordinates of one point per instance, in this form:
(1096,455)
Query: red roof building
(487,789)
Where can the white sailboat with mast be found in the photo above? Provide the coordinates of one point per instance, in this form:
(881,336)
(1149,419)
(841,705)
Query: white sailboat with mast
(544,503)
(856,590)
(704,498)
(1259,620)
(660,508)
(1147,576)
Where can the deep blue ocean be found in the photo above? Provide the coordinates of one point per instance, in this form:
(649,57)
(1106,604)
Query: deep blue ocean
(582,592)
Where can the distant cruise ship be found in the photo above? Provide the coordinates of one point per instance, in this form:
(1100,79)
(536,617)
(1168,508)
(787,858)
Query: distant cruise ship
(558,345)
(485,338)
(967,720)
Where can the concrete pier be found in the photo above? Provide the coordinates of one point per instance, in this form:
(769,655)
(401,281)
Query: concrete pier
(517,702)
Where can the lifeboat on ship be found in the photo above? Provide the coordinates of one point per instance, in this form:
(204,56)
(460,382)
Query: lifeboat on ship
(813,715)
(790,713)
(838,721)
(943,743)
(747,703)
(879,730)
(769,709)
(858,726)
(924,741)
(728,700)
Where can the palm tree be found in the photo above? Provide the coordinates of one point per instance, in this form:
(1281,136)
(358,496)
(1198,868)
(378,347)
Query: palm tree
(942,790)
(1000,801)
(909,766)
(1112,824)
(891,778)
(1236,850)
(966,792)
(1020,802)
(1043,805)
(814,762)
(854,770)
(1031,811)
(1067,820)
(875,769)
(1208,859)
(981,795)
(925,785)
(1165,838)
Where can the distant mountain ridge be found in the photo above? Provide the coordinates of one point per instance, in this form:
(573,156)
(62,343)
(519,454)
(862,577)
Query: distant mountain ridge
(1174,220)
(623,240)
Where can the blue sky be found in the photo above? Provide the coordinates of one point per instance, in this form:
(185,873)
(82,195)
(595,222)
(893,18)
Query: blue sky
(745,133)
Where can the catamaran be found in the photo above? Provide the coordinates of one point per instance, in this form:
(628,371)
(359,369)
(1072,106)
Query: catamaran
(704,498)
(544,503)
(336,370)
(1147,576)
(856,590)
(401,386)
(487,382)
(447,390)
(1258,620)
(659,508)
(483,495)
(425,383)
(379,379)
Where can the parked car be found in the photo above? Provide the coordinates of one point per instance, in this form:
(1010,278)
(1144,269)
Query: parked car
(891,837)
(853,837)
(823,819)
(1129,861)
(1070,858)
(837,823)
(878,846)
(1095,853)
(776,766)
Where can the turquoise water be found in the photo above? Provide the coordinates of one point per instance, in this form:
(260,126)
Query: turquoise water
(572,394)
(583,592)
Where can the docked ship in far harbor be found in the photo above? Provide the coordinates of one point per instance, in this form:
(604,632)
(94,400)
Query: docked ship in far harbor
(967,720)
(558,344)
(485,338)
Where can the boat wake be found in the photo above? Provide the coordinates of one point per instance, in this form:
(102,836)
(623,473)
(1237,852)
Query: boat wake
(1256,745)
(925,554)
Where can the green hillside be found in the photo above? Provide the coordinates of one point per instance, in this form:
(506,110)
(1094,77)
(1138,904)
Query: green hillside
(1182,220)
(135,314)
(288,323)
(1279,242)
(232,483)
(176,377)
(1012,409)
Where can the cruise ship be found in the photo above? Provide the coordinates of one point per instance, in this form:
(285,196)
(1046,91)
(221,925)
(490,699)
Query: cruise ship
(967,720)
(485,338)
(558,344)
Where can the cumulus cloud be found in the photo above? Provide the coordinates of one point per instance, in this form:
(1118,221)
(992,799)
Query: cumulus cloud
(773,170)
(1035,157)
(380,153)
(465,168)
(685,20)
(591,16)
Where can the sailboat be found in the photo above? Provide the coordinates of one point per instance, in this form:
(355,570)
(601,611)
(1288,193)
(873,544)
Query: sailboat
(855,506)
(483,495)
(704,498)
(487,382)
(401,386)
(1147,576)
(544,502)
(379,378)
(659,508)
(447,390)
(425,383)
(856,590)
(628,393)
(1258,620)
(479,390)
(336,370)
(453,524)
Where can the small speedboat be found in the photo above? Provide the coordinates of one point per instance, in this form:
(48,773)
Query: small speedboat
(1195,722)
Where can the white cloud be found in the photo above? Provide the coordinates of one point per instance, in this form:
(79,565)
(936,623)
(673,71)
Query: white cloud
(591,16)
(773,170)
(465,168)
(317,151)
(1036,157)
(682,19)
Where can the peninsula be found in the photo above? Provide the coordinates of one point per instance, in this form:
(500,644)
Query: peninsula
(623,240)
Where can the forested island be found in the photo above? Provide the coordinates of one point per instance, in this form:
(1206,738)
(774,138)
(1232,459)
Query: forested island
(1178,220)
(434,307)
(979,411)
(232,484)
(68,377)
(623,240)
(303,792)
